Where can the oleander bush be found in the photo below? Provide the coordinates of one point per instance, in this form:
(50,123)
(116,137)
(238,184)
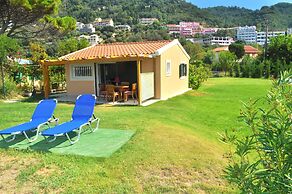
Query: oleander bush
(261,162)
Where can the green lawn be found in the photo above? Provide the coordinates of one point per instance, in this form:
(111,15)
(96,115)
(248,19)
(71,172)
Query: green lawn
(175,148)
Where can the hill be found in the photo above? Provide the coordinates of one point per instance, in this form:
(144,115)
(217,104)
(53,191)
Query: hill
(173,11)
(279,16)
(129,11)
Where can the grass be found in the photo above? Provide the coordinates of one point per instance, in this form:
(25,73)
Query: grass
(175,148)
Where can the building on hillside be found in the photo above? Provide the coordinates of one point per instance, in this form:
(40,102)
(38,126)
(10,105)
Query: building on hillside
(173,28)
(159,69)
(196,40)
(79,25)
(86,28)
(261,36)
(209,31)
(98,22)
(221,41)
(251,51)
(289,31)
(247,34)
(190,28)
(148,21)
(248,50)
(92,39)
(123,27)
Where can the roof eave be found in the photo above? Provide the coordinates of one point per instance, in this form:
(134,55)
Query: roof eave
(169,45)
(68,61)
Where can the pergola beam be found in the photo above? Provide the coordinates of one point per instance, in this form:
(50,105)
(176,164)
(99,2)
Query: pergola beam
(46,80)
(139,81)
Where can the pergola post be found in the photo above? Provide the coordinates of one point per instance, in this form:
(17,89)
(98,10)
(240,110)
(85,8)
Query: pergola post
(139,81)
(46,80)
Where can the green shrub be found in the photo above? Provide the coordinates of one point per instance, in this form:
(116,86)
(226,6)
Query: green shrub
(11,89)
(237,69)
(261,161)
(267,68)
(246,66)
(198,73)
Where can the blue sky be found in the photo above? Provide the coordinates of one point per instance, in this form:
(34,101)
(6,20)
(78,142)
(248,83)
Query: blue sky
(250,4)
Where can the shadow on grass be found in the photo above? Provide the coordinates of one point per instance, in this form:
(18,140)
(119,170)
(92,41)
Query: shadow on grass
(35,98)
(18,139)
(39,97)
(44,145)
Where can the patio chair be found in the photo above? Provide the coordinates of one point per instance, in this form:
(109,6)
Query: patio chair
(102,91)
(82,116)
(132,92)
(42,116)
(125,83)
(110,92)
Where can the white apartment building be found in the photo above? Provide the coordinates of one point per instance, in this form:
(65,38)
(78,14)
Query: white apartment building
(173,28)
(247,34)
(103,22)
(221,41)
(79,25)
(261,36)
(123,27)
(147,21)
(85,28)
(92,39)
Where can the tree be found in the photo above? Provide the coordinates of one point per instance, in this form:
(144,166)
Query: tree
(261,160)
(237,48)
(225,33)
(28,18)
(195,50)
(38,52)
(226,61)
(198,74)
(209,57)
(70,45)
(267,68)
(8,47)
(246,66)
(280,48)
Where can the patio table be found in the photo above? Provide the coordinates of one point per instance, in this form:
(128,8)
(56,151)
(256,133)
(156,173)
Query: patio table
(122,90)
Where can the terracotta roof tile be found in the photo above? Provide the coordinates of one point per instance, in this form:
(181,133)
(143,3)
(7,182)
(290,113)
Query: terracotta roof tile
(117,50)
(247,49)
(219,49)
(250,50)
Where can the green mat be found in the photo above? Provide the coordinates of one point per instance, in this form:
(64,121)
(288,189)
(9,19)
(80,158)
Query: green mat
(102,143)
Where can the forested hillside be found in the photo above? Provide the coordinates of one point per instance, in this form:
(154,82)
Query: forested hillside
(128,11)
(279,16)
(173,11)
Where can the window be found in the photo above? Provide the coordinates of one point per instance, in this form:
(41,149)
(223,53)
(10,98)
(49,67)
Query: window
(82,72)
(182,70)
(168,68)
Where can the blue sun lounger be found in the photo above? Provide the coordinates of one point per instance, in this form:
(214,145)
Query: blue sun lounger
(82,116)
(42,116)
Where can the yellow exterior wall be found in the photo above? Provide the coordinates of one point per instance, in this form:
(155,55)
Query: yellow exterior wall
(153,65)
(78,87)
(165,86)
(157,78)
(147,65)
(173,85)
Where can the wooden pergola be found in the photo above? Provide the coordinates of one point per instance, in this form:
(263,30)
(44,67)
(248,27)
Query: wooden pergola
(46,63)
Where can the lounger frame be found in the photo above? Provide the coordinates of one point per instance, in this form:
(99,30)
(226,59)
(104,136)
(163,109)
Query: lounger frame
(37,129)
(79,130)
